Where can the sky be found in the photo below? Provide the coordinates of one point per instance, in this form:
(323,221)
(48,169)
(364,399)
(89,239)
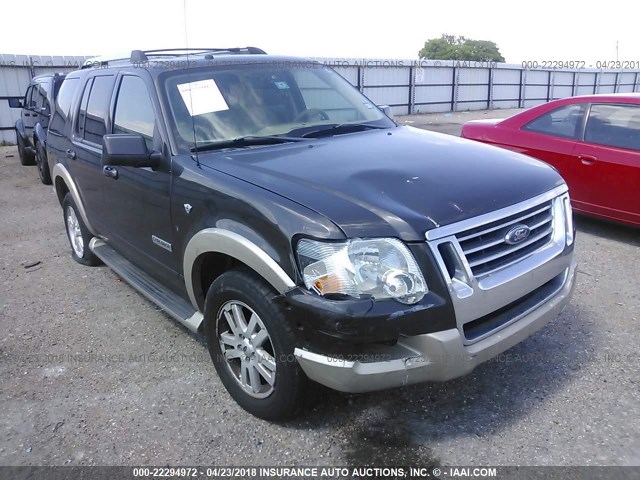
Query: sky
(524,31)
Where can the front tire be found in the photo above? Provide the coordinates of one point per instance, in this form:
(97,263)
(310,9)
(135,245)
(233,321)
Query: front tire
(26,158)
(43,165)
(251,345)
(77,233)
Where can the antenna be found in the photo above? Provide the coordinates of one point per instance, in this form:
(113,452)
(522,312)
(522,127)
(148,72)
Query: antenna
(193,122)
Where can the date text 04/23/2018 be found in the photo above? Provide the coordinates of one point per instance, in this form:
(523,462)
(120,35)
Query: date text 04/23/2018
(580,64)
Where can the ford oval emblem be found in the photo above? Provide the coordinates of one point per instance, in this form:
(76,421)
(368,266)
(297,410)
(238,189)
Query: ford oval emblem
(517,234)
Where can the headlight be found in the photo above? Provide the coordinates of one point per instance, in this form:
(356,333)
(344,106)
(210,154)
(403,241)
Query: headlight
(382,268)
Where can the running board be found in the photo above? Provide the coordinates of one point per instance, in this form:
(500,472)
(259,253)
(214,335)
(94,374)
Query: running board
(171,303)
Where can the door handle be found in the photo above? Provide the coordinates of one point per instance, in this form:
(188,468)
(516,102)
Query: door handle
(587,159)
(110,172)
(71,154)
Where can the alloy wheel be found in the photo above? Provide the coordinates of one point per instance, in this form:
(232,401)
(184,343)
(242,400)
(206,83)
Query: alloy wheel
(247,348)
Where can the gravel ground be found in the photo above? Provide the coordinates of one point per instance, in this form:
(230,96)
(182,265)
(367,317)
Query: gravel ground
(93,374)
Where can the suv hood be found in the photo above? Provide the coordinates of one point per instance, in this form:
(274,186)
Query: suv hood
(398,182)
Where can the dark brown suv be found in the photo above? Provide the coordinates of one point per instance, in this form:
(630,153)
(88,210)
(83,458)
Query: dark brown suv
(268,205)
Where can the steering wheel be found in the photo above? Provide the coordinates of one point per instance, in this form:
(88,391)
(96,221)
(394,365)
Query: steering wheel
(310,113)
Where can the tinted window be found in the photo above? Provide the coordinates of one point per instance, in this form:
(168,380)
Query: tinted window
(27,97)
(63,104)
(82,113)
(615,125)
(95,125)
(40,91)
(57,83)
(561,122)
(134,110)
(36,96)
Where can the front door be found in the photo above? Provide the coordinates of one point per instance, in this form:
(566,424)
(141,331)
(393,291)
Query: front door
(607,162)
(137,200)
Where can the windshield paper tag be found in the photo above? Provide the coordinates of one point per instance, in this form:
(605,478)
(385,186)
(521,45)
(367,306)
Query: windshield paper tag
(202,97)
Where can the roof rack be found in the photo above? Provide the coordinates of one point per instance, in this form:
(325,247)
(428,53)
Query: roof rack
(140,56)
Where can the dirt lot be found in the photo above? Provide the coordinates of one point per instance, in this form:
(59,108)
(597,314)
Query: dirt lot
(93,374)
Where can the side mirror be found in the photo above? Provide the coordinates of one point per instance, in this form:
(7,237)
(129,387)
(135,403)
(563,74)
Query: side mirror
(386,109)
(128,150)
(15,103)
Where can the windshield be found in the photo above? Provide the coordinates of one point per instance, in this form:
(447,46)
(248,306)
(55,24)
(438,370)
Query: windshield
(256,100)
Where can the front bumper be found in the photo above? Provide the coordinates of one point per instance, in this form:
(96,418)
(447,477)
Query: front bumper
(436,356)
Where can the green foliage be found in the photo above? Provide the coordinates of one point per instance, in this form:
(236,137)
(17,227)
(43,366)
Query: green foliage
(450,47)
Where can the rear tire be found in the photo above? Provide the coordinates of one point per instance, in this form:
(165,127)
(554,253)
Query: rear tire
(42,164)
(77,233)
(26,158)
(251,345)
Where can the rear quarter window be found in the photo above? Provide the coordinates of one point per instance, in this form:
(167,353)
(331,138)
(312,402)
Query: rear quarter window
(63,104)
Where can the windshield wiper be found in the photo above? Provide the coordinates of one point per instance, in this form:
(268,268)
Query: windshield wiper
(248,141)
(336,129)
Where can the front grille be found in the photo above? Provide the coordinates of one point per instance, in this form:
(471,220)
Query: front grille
(486,248)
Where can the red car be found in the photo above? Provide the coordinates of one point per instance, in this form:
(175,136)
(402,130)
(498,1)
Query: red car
(593,141)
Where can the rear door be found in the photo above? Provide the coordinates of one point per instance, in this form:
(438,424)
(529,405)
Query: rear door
(85,154)
(607,180)
(552,137)
(60,128)
(137,202)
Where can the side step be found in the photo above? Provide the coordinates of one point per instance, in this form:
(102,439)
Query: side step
(171,303)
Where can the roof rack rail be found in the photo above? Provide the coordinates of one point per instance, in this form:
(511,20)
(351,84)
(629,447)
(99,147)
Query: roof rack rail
(143,55)
(140,56)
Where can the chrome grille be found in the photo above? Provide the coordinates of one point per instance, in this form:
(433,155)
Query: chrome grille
(486,249)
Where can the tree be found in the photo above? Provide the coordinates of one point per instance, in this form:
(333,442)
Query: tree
(450,47)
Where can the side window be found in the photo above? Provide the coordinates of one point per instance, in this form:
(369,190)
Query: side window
(56,85)
(561,122)
(614,125)
(63,104)
(82,113)
(95,125)
(39,95)
(45,92)
(134,110)
(27,97)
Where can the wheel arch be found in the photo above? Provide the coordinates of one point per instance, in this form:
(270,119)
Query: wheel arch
(39,134)
(63,184)
(213,251)
(20,128)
